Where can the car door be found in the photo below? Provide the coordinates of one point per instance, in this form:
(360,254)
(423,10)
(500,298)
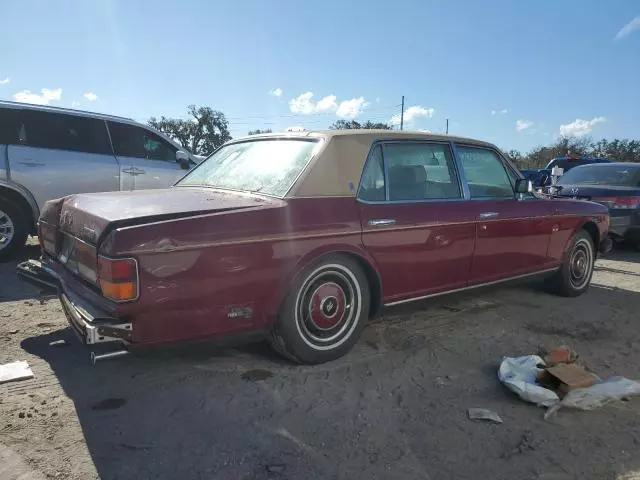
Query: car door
(146,160)
(415,222)
(513,232)
(57,154)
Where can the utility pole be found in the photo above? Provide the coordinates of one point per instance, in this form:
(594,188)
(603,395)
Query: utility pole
(402,114)
(447,128)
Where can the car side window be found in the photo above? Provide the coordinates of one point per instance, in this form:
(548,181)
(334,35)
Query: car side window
(59,131)
(9,126)
(420,171)
(485,173)
(372,186)
(138,142)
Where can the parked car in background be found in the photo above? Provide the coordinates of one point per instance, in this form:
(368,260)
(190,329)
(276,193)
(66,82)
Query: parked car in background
(302,237)
(542,177)
(48,152)
(615,185)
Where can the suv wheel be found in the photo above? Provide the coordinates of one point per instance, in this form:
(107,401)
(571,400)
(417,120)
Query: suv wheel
(13,229)
(575,274)
(323,315)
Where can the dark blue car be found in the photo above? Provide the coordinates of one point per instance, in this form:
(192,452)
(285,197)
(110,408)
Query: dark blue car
(542,177)
(616,185)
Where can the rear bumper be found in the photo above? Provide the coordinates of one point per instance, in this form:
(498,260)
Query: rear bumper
(91,324)
(625,225)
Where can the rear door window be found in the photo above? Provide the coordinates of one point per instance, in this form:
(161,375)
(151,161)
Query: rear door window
(138,142)
(59,131)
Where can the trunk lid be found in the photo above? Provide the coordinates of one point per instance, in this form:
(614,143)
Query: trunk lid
(588,192)
(88,216)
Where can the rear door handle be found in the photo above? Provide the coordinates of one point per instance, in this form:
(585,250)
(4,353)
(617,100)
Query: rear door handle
(133,171)
(488,214)
(381,222)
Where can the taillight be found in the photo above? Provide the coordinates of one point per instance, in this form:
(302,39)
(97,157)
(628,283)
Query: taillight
(618,202)
(118,278)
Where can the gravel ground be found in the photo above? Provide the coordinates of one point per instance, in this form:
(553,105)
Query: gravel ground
(396,407)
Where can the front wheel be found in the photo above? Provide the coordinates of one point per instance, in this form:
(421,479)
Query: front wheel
(575,274)
(323,315)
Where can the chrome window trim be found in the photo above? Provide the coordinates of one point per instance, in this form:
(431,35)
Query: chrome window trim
(461,184)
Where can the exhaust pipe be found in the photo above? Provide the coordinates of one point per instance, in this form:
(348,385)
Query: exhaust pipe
(107,356)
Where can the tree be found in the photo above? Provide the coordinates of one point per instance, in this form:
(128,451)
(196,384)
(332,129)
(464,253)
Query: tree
(257,131)
(352,124)
(202,134)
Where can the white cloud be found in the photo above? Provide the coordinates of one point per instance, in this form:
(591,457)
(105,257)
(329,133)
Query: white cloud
(412,113)
(75,103)
(327,104)
(5,81)
(522,125)
(580,127)
(47,96)
(377,99)
(504,111)
(493,113)
(303,104)
(628,28)
(276,92)
(351,108)
(92,97)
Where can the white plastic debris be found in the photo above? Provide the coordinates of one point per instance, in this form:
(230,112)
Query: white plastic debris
(484,414)
(519,376)
(15,371)
(598,395)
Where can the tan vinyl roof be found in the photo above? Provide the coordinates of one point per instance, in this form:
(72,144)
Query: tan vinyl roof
(336,168)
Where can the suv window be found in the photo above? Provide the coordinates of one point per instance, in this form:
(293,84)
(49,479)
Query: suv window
(372,184)
(59,131)
(138,142)
(9,126)
(485,173)
(420,171)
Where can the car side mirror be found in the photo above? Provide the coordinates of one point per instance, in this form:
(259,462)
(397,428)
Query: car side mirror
(182,158)
(524,186)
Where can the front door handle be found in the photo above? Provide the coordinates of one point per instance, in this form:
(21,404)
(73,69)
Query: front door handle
(381,222)
(488,214)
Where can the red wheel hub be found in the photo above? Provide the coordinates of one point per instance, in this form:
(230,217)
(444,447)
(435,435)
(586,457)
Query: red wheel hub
(327,306)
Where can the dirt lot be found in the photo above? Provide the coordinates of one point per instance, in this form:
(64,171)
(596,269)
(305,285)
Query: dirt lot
(394,408)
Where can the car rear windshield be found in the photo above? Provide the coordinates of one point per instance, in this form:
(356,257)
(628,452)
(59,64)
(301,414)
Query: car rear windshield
(268,166)
(621,176)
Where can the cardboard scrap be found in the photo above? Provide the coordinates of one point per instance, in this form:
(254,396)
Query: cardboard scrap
(15,371)
(568,376)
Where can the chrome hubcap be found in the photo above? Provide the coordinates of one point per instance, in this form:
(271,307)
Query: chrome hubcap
(6,230)
(580,264)
(327,307)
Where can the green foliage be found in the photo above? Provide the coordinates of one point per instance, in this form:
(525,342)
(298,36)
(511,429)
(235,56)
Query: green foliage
(201,134)
(616,150)
(257,131)
(352,125)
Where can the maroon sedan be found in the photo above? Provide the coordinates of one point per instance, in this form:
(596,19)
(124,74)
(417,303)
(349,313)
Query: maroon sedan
(303,237)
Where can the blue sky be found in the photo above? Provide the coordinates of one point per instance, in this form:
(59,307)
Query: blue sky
(517,73)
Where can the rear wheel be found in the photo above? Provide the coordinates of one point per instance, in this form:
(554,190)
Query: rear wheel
(13,229)
(575,274)
(323,315)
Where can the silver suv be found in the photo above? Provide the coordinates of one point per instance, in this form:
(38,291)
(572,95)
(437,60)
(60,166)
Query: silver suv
(49,152)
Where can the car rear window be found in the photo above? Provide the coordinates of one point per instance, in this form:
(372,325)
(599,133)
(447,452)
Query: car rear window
(268,166)
(621,176)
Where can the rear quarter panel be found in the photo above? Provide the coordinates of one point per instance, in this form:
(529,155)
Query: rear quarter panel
(192,271)
(571,216)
